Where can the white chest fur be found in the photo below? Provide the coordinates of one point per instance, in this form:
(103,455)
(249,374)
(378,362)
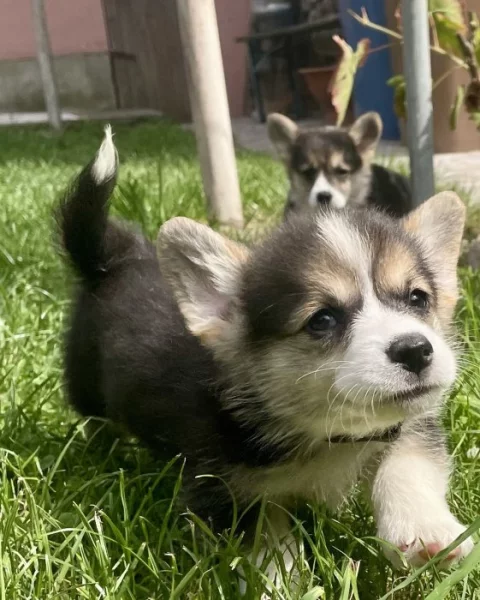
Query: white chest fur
(325,477)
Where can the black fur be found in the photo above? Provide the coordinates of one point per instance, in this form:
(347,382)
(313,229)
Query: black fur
(390,192)
(130,358)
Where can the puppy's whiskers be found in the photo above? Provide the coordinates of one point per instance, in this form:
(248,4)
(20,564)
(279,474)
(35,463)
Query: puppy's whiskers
(329,366)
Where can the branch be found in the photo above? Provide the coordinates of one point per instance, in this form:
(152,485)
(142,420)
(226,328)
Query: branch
(469,55)
(365,21)
(468,47)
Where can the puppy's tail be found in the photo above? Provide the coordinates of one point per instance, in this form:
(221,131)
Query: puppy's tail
(83,213)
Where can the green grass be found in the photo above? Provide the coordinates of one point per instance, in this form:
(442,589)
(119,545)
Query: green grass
(86,519)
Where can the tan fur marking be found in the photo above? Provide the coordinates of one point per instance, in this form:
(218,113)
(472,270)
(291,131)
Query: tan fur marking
(342,290)
(325,285)
(412,222)
(236,251)
(337,284)
(313,160)
(209,335)
(337,160)
(395,268)
(446,307)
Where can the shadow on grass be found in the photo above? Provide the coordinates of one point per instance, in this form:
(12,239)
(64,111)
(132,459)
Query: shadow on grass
(145,138)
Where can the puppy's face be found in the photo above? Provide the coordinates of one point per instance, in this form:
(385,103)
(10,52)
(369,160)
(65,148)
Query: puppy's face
(338,323)
(327,166)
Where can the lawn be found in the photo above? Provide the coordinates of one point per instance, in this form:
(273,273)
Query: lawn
(95,519)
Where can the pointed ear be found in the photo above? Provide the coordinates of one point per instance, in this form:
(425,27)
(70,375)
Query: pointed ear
(203,269)
(282,132)
(438,223)
(366,133)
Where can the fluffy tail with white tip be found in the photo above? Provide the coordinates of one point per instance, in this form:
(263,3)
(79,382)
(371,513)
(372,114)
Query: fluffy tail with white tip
(87,236)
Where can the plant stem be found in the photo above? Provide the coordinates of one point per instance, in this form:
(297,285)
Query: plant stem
(365,20)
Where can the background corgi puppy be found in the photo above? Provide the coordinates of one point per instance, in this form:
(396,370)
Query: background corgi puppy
(332,166)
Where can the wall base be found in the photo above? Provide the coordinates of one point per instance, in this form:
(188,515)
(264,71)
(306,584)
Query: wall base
(84,82)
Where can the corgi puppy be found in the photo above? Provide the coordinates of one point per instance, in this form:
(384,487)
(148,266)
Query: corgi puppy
(332,166)
(286,371)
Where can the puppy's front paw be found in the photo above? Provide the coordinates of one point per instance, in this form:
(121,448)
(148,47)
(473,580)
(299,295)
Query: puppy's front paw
(420,541)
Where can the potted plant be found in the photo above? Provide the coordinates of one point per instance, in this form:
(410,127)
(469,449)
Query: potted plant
(450,73)
(318,75)
(455,50)
(318,82)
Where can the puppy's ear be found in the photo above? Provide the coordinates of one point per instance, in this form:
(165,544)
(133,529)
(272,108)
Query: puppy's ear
(366,133)
(438,224)
(203,269)
(282,132)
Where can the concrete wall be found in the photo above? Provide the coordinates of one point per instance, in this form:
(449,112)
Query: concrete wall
(84,82)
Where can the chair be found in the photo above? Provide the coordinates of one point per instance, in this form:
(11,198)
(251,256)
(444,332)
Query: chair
(283,37)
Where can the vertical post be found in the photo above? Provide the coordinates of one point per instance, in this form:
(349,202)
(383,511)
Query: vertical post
(45,63)
(418,77)
(209,104)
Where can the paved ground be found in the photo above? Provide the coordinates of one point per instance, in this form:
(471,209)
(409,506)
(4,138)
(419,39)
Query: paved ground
(461,169)
(29,118)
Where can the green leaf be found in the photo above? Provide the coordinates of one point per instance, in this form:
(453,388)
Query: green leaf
(456,106)
(469,563)
(342,81)
(476,37)
(399,95)
(452,9)
(448,21)
(475,117)
(316,593)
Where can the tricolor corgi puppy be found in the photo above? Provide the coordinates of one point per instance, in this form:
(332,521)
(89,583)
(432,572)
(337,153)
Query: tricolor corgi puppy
(286,371)
(332,167)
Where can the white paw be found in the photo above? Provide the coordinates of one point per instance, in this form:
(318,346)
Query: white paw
(420,541)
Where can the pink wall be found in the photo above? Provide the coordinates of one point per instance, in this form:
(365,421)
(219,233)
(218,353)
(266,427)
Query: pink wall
(233,21)
(74,26)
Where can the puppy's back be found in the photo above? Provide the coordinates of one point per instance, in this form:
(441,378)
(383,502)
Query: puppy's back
(127,347)
(390,191)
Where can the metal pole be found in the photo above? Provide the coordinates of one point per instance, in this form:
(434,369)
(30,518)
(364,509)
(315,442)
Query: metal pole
(44,56)
(209,103)
(418,77)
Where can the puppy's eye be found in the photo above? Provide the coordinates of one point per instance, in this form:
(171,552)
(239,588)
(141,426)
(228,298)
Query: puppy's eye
(309,171)
(341,171)
(322,321)
(418,299)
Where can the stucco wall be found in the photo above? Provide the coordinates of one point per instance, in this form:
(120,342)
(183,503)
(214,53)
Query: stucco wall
(75,26)
(78,31)
(233,21)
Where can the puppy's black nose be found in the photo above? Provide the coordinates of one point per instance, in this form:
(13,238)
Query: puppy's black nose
(324,197)
(413,351)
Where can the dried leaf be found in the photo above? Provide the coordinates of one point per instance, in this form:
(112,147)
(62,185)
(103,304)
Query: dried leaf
(472,97)
(342,82)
